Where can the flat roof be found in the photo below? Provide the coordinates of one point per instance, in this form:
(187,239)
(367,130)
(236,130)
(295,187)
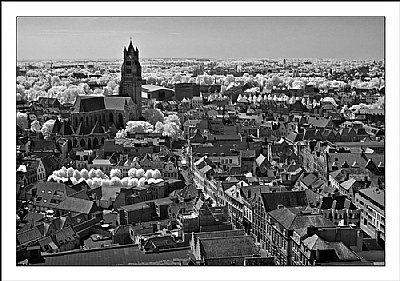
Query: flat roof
(376,195)
(130,255)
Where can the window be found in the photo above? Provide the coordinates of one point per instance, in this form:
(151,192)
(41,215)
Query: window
(128,71)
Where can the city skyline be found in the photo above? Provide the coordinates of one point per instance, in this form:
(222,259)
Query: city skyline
(353,38)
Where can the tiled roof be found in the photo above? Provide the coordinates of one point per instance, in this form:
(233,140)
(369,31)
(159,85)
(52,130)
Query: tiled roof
(341,203)
(316,243)
(29,236)
(64,235)
(47,241)
(343,252)
(312,180)
(219,150)
(227,246)
(348,183)
(161,242)
(287,199)
(292,218)
(76,205)
(220,234)
(319,122)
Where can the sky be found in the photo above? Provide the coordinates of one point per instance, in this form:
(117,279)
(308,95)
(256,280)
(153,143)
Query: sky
(201,37)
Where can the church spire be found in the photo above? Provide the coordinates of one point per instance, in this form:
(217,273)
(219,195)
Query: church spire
(130,47)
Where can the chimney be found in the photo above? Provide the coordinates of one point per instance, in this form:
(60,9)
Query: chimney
(280,206)
(334,204)
(311,230)
(359,242)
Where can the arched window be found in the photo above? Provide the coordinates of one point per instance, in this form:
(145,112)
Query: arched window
(95,143)
(111,118)
(120,120)
(82,143)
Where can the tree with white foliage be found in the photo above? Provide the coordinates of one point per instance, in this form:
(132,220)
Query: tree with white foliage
(22,120)
(70,172)
(159,127)
(92,173)
(77,174)
(115,173)
(73,180)
(99,173)
(84,174)
(106,183)
(89,183)
(148,174)
(125,182)
(115,181)
(132,173)
(138,127)
(97,182)
(156,174)
(133,182)
(142,181)
(63,172)
(153,115)
(35,126)
(48,127)
(140,173)
(55,81)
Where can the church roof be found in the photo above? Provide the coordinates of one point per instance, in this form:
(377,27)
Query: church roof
(94,103)
(57,126)
(66,129)
(116,103)
(97,129)
(82,129)
(88,104)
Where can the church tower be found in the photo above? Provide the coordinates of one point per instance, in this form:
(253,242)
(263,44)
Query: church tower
(131,78)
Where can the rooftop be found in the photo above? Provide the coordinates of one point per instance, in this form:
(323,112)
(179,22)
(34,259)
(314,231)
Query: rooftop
(130,255)
(375,194)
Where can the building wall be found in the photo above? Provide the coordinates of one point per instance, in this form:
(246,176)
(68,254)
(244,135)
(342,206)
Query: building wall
(141,215)
(186,90)
(372,217)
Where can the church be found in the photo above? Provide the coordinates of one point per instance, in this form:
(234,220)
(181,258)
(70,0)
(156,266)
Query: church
(96,115)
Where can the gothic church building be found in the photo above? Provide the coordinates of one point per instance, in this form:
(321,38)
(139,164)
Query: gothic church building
(93,117)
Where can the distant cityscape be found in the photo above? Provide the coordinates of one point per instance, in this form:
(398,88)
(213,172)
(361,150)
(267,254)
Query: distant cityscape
(201,162)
